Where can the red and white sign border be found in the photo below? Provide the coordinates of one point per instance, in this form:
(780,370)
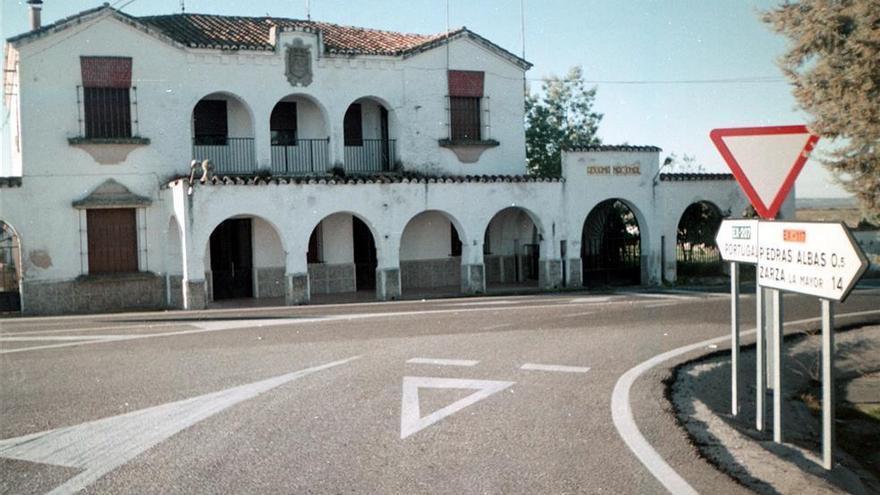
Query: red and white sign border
(764,211)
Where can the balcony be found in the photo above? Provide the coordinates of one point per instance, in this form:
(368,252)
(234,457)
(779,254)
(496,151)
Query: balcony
(228,155)
(301,157)
(369,156)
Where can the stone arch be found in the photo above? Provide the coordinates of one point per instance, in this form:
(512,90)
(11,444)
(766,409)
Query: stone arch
(342,254)
(612,244)
(511,247)
(431,251)
(369,136)
(245,257)
(222,126)
(11,270)
(299,126)
(696,253)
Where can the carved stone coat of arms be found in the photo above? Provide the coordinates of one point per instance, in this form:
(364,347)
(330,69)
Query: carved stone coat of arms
(298,63)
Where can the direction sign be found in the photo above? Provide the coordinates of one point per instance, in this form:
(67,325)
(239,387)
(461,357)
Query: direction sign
(818,259)
(737,240)
(765,161)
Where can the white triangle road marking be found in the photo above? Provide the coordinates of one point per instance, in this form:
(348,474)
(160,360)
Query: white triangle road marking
(411,420)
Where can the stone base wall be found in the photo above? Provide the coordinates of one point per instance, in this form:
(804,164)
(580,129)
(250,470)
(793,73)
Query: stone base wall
(500,269)
(550,274)
(423,274)
(175,283)
(327,278)
(387,284)
(270,282)
(95,294)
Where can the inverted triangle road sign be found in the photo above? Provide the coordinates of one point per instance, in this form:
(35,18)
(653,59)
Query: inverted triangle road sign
(765,161)
(411,420)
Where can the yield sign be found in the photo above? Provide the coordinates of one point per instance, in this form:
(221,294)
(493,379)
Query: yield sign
(411,420)
(765,161)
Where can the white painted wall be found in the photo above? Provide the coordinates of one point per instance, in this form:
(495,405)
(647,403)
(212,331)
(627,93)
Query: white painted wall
(427,236)
(267,247)
(336,239)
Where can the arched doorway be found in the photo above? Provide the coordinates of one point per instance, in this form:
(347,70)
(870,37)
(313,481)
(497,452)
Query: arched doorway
(342,255)
(430,253)
(246,259)
(696,254)
(368,134)
(511,249)
(223,132)
(300,138)
(10,269)
(611,245)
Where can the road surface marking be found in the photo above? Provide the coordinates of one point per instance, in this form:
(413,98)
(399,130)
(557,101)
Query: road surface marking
(51,338)
(554,367)
(496,327)
(572,315)
(411,420)
(94,329)
(590,300)
(650,295)
(101,446)
(481,303)
(213,326)
(661,304)
(443,362)
(622,415)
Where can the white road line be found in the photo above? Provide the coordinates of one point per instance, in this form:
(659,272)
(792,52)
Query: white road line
(51,338)
(496,327)
(100,446)
(650,295)
(621,410)
(411,420)
(481,303)
(660,305)
(554,367)
(573,315)
(590,300)
(94,329)
(213,326)
(443,362)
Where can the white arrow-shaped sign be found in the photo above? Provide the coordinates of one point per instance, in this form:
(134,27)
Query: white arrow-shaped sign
(818,259)
(737,240)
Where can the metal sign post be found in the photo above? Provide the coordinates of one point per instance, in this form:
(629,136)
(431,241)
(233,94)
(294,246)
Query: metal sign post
(776,301)
(827,383)
(760,346)
(737,241)
(734,337)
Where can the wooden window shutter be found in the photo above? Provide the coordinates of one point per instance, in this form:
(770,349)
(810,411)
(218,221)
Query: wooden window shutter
(467,83)
(105,72)
(112,240)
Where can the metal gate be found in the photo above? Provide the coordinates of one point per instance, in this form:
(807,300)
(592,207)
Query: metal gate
(611,246)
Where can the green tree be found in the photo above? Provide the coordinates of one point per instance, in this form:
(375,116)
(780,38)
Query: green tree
(833,61)
(561,116)
(687,164)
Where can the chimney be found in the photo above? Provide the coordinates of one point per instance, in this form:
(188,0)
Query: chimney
(35,7)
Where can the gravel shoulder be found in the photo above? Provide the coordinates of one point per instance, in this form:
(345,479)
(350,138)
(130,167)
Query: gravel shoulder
(701,399)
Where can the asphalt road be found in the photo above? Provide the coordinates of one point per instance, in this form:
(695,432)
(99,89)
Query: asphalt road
(357,398)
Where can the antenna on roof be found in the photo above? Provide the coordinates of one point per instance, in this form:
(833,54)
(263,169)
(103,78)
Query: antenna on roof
(308,11)
(182,6)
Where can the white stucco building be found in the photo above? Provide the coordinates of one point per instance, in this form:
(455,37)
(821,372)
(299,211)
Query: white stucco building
(342,158)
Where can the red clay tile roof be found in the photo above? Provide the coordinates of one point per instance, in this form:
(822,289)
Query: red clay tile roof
(252,33)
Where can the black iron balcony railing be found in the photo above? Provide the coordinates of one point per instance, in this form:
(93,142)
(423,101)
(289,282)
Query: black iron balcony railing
(228,155)
(373,155)
(303,156)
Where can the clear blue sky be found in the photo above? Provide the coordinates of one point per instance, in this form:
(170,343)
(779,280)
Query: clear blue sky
(641,54)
